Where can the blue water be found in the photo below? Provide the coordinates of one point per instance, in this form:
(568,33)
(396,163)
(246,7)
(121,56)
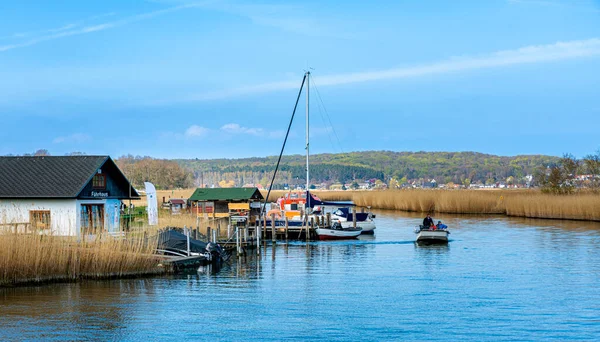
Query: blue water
(497,279)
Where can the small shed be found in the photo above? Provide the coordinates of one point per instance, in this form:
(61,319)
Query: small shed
(177,205)
(216,202)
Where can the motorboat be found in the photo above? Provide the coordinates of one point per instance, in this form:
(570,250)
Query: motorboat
(432,235)
(337,232)
(363,220)
(181,251)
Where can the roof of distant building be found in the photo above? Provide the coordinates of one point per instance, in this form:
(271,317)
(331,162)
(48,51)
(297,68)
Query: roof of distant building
(226,194)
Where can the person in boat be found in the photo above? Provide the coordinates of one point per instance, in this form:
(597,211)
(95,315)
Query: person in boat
(428,222)
(440,225)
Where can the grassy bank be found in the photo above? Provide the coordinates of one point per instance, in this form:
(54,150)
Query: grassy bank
(520,203)
(40,258)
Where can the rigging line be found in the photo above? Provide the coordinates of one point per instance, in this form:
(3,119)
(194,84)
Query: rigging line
(326,113)
(283,147)
(319,106)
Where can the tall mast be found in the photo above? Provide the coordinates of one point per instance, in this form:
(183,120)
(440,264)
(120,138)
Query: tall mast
(307,128)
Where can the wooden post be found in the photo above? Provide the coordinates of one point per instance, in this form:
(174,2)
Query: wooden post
(273,234)
(328,220)
(187,237)
(208,234)
(312,228)
(264,231)
(286,229)
(257,232)
(237,242)
(354,217)
(218,232)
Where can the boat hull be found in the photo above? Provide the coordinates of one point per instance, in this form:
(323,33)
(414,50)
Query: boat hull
(337,234)
(368,227)
(432,236)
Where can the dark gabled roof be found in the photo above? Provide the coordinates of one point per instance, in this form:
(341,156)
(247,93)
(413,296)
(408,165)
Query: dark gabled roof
(225,194)
(48,176)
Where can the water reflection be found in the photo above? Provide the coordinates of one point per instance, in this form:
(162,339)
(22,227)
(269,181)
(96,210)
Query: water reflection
(492,279)
(72,311)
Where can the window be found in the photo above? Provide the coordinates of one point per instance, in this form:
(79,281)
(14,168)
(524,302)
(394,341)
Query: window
(99,181)
(39,219)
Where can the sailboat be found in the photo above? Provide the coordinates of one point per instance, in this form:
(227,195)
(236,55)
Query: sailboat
(306,203)
(336,231)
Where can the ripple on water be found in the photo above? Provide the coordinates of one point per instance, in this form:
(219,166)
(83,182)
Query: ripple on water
(498,279)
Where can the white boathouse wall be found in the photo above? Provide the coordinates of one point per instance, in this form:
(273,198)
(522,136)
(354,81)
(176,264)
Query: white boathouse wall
(63,213)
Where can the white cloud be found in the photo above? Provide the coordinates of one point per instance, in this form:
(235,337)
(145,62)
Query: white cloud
(73,138)
(234,128)
(195,131)
(505,58)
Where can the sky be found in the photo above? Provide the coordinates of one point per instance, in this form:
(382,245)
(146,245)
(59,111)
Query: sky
(219,79)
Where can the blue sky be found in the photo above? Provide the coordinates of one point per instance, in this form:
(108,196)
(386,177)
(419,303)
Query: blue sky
(218,79)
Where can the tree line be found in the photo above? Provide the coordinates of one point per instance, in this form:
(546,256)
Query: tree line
(552,174)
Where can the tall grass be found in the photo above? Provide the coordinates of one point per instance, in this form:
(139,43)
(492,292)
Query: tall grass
(520,203)
(32,258)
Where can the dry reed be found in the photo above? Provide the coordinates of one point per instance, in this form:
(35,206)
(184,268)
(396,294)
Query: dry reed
(520,203)
(30,258)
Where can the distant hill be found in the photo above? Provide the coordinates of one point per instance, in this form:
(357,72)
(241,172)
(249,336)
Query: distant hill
(360,166)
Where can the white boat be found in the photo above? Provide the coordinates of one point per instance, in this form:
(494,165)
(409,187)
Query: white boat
(363,220)
(431,235)
(337,232)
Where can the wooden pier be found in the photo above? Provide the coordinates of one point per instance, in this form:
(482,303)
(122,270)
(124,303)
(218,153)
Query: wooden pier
(241,236)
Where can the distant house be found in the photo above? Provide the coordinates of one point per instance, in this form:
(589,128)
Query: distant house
(177,205)
(217,202)
(67,196)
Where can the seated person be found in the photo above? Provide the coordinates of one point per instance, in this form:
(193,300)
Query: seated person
(440,225)
(427,222)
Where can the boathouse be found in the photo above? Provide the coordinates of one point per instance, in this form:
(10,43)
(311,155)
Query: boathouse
(226,202)
(62,195)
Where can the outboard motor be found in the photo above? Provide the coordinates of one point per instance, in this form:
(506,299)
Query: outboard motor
(215,251)
(336,225)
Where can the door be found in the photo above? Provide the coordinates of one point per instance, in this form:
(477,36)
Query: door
(92,218)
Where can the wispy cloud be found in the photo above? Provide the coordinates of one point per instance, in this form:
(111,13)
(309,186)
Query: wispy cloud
(237,129)
(66,27)
(195,131)
(76,29)
(526,55)
(282,16)
(73,138)
(234,128)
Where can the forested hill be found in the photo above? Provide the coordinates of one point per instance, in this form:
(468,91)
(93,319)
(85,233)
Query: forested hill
(383,165)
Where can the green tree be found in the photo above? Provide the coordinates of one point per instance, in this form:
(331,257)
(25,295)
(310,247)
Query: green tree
(560,178)
(592,168)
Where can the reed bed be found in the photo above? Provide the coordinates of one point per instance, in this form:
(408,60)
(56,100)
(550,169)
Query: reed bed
(31,258)
(519,203)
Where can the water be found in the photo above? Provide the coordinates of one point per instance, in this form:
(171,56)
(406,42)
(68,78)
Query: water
(498,279)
